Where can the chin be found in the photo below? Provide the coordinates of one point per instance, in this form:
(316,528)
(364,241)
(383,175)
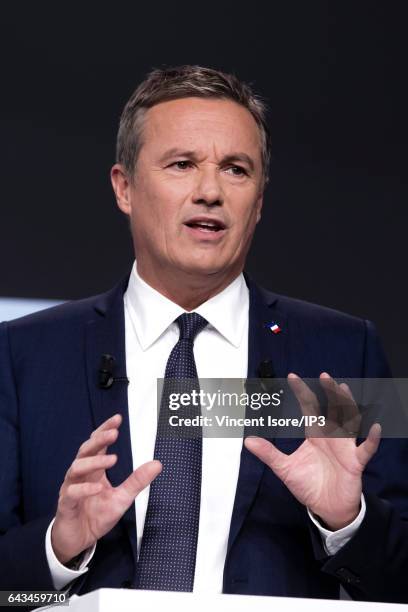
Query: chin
(204,268)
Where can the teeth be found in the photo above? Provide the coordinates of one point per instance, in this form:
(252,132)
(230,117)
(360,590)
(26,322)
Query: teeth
(207,228)
(206,224)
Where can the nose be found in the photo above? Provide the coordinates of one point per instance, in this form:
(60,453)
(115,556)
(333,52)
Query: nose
(207,189)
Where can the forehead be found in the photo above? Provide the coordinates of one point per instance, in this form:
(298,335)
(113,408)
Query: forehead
(201,123)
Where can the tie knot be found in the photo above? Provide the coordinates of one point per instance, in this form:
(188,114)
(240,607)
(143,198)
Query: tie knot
(190,323)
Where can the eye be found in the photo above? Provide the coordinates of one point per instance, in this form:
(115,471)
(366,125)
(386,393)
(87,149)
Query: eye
(181,164)
(237,171)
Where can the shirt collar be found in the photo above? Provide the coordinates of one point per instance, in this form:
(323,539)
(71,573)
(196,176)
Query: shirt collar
(152,313)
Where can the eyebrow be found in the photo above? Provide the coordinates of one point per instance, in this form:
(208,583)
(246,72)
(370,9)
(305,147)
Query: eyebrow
(232,157)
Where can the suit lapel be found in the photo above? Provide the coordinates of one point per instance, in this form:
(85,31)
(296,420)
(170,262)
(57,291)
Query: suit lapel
(263,345)
(105,334)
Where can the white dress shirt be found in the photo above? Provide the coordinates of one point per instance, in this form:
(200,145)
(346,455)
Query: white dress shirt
(220,351)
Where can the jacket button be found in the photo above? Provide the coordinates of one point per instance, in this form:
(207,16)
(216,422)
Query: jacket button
(127,584)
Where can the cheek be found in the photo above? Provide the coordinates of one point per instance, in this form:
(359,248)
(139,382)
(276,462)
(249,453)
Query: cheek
(247,212)
(160,200)
(156,221)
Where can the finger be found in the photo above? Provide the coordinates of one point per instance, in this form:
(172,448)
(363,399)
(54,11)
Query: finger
(351,418)
(269,454)
(368,448)
(341,406)
(351,428)
(88,467)
(328,385)
(139,480)
(308,402)
(112,423)
(335,398)
(343,418)
(351,411)
(306,398)
(98,444)
(75,493)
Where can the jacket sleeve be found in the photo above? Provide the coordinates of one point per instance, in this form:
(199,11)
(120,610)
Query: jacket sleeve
(23,562)
(373,565)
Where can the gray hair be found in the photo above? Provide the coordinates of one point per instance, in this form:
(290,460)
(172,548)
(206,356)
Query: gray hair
(162,85)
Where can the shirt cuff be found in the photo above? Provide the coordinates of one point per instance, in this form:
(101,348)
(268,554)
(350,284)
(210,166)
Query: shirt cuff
(333,541)
(62,575)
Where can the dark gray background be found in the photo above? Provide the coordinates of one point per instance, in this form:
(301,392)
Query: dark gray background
(334,228)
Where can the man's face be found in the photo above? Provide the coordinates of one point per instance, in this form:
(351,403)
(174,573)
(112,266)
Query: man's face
(196,194)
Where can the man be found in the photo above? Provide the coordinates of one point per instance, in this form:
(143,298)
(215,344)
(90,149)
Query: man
(78,444)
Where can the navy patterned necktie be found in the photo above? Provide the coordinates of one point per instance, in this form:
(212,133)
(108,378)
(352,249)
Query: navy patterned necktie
(169,544)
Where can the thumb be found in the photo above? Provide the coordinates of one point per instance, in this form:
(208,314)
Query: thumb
(269,454)
(369,447)
(140,478)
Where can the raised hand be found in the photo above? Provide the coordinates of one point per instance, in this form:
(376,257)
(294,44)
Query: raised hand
(324,473)
(88,505)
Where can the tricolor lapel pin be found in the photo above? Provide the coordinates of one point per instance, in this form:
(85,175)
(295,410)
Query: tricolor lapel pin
(274,327)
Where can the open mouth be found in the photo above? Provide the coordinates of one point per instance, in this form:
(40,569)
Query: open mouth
(206,225)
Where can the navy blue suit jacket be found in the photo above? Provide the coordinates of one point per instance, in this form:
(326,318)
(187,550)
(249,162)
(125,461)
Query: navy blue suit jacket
(50,402)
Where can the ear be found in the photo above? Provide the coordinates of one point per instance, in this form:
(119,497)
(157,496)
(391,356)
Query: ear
(121,187)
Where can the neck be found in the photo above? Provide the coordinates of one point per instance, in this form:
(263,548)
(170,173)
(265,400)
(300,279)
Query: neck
(188,290)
